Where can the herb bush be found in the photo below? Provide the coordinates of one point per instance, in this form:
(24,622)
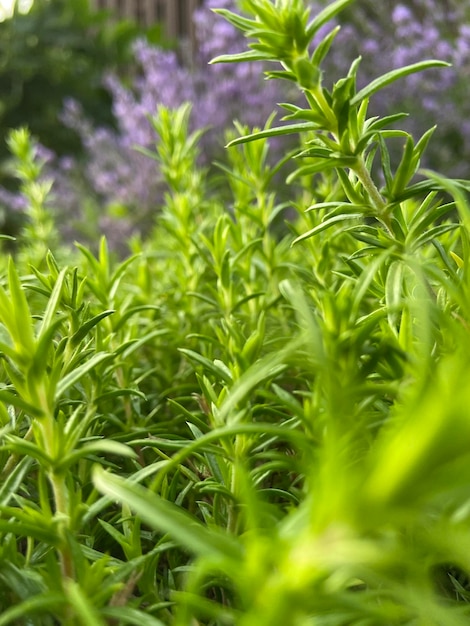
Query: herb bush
(225,428)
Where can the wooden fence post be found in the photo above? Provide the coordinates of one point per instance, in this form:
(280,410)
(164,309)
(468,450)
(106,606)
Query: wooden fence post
(175,15)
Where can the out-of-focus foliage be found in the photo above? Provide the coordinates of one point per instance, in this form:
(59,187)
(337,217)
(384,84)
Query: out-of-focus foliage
(58,49)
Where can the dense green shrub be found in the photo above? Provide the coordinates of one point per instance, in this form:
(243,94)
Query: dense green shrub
(226,428)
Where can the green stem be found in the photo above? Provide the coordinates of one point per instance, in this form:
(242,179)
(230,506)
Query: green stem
(377,201)
(364,176)
(317,99)
(59,490)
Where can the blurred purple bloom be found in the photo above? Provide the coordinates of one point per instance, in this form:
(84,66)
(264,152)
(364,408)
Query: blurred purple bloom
(401,14)
(12,201)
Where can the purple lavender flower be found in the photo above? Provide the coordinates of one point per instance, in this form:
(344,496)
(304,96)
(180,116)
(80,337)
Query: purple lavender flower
(12,201)
(401,14)
(388,37)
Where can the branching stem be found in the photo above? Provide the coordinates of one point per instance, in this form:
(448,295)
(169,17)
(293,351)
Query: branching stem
(378,202)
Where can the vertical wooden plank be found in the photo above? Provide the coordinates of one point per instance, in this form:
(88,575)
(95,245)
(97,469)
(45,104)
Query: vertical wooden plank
(189,35)
(175,15)
(181,17)
(140,12)
(171,21)
(193,5)
(129,9)
(160,12)
(148,12)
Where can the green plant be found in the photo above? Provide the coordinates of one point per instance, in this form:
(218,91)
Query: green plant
(380,312)
(226,428)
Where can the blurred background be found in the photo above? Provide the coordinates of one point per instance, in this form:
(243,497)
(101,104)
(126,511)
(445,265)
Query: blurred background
(84,76)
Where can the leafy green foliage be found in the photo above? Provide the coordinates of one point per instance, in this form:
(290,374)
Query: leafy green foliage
(57,50)
(226,428)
